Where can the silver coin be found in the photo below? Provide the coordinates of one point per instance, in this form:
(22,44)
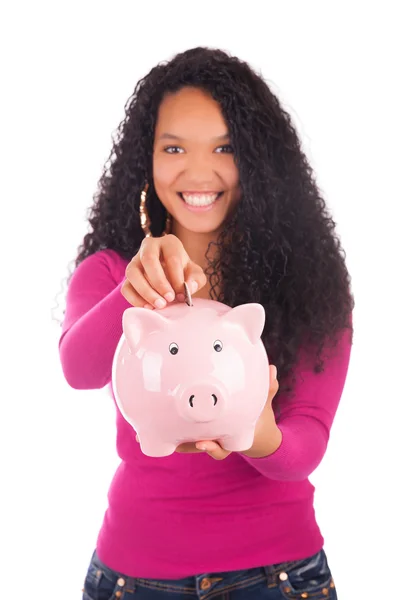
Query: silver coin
(188,296)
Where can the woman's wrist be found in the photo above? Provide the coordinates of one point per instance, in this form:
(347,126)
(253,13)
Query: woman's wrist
(266,444)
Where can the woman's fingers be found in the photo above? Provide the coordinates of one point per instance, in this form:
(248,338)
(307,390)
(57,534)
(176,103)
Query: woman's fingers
(174,258)
(187,448)
(274,383)
(156,274)
(213,449)
(273,387)
(133,297)
(150,260)
(179,267)
(195,277)
(138,287)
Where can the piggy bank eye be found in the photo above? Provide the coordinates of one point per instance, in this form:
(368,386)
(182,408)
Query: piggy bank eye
(173,348)
(217,345)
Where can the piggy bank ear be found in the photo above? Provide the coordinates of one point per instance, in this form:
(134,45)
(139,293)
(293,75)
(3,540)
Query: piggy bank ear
(138,323)
(251,317)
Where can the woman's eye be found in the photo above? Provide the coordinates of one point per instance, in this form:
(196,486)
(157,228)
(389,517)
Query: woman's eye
(173,150)
(227,149)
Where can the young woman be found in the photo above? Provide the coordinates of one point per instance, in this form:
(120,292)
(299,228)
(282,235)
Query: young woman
(207,184)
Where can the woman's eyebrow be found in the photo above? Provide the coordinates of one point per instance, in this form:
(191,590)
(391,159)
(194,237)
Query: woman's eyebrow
(171,136)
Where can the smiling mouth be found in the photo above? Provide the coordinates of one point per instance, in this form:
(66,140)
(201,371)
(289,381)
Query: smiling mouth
(200,199)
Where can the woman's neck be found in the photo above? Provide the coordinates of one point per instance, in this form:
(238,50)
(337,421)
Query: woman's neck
(195,244)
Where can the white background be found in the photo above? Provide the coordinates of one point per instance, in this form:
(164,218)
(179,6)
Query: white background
(67,71)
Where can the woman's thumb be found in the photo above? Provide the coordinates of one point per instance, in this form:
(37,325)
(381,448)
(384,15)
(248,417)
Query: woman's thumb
(195,277)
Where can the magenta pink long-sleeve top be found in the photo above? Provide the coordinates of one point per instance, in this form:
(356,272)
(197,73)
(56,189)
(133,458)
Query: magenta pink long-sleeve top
(187,514)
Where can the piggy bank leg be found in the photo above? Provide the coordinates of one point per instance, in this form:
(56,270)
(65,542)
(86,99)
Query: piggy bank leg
(154,447)
(239,442)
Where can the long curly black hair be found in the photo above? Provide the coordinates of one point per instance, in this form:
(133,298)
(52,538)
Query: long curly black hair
(280,247)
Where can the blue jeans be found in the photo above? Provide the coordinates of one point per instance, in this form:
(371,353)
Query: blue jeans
(309,578)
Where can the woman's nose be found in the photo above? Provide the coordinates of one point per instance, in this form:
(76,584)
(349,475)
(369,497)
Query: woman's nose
(200,171)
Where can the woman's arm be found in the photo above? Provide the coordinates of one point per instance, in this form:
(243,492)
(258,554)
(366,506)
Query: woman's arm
(307,417)
(93,320)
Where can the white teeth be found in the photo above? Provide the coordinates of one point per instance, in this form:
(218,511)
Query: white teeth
(200,199)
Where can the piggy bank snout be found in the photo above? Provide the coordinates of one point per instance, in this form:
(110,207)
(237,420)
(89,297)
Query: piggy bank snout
(201,402)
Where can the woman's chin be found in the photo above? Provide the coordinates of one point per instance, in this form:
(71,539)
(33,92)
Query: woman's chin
(211,228)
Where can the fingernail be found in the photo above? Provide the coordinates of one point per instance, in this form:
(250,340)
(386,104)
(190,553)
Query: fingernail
(169,296)
(160,303)
(180,297)
(275,372)
(201,448)
(194,286)
(148,306)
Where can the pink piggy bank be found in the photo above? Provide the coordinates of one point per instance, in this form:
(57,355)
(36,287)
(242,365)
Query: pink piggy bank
(191,373)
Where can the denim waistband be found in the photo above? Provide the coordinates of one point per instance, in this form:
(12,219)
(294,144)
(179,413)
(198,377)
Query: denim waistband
(204,586)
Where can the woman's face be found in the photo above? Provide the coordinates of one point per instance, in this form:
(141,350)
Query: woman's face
(195,176)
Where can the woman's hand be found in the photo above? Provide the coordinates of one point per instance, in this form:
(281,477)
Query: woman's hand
(267,437)
(157,272)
